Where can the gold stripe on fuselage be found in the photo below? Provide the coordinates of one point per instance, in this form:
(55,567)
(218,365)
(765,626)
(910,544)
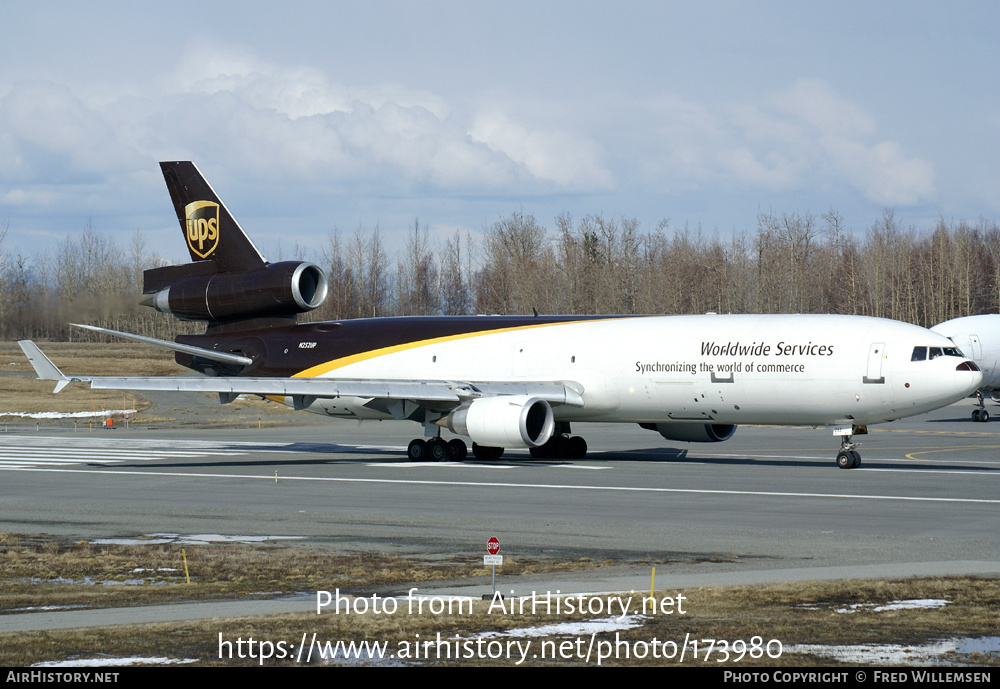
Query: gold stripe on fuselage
(320,369)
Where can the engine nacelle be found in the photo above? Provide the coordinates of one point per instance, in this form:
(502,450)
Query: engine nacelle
(504,421)
(277,289)
(693,432)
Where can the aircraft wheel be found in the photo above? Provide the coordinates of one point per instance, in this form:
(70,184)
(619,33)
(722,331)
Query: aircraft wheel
(438,450)
(538,452)
(984,416)
(457,450)
(975,415)
(417,450)
(845,459)
(857,459)
(577,447)
(482,452)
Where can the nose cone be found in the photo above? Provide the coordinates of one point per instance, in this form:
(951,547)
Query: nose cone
(968,378)
(929,385)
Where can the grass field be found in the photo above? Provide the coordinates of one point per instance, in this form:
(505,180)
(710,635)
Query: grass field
(22,393)
(817,624)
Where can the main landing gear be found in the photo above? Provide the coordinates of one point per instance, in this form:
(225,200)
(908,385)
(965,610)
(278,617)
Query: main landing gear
(980,414)
(437,450)
(455,450)
(561,447)
(848,457)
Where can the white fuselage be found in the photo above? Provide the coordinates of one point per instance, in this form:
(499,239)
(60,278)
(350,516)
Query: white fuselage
(728,369)
(979,339)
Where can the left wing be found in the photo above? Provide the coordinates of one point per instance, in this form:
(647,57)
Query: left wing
(437,392)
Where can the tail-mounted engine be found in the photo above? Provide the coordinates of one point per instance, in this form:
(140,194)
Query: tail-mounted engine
(195,292)
(504,421)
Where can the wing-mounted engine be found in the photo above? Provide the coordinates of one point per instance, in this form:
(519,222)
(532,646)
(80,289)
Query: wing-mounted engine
(195,292)
(503,421)
(693,432)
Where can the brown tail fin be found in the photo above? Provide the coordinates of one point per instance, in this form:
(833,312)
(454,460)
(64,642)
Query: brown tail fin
(211,232)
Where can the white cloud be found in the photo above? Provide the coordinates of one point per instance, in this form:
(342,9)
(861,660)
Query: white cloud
(555,156)
(48,133)
(804,136)
(230,107)
(776,172)
(813,102)
(881,172)
(227,105)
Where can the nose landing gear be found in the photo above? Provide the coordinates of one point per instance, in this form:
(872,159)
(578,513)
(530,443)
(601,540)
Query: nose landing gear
(979,414)
(848,457)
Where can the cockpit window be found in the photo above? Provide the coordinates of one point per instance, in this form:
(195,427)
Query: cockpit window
(921,353)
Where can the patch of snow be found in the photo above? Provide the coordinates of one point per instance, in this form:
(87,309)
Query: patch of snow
(599,626)
(46,608)
(115,662)
(933,653)
(913,604)
(68,415)
(192,539)
(132,541)
(93,581)
(363,658)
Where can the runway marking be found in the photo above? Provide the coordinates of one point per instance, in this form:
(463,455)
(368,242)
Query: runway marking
(951,472)
(18,452)
(909,431)
(541,486)
(432,465)
(911,455)
(479,465)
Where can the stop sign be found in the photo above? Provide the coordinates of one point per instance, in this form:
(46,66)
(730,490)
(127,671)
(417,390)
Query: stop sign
(493,545)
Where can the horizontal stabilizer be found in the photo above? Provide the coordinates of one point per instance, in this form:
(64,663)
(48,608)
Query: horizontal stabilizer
(43,366)
(210,354)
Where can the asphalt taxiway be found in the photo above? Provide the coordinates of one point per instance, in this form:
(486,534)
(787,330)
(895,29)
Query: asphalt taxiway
(768,499)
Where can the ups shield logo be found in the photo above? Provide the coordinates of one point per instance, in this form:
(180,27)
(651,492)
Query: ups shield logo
(202,227)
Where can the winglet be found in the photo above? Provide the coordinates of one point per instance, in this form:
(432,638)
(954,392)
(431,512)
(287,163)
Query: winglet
(43,366)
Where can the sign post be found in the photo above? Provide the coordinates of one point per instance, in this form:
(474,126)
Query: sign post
(493,559)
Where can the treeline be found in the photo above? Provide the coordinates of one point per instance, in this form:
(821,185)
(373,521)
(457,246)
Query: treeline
(789,263)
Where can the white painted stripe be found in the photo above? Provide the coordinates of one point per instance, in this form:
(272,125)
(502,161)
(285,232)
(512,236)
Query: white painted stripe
(124,454)
(538,486)
(7,465)
(83,438)
(432,465)
(931,472)
(61,460)
(576,466)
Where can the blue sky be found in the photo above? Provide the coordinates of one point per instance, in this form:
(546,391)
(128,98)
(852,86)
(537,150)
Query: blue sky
(311,116)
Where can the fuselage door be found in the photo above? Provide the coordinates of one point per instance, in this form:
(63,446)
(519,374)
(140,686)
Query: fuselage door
(977,347)
(876,354)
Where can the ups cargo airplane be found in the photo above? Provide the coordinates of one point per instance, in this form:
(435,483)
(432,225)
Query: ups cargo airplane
(520,381)
(978,337)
